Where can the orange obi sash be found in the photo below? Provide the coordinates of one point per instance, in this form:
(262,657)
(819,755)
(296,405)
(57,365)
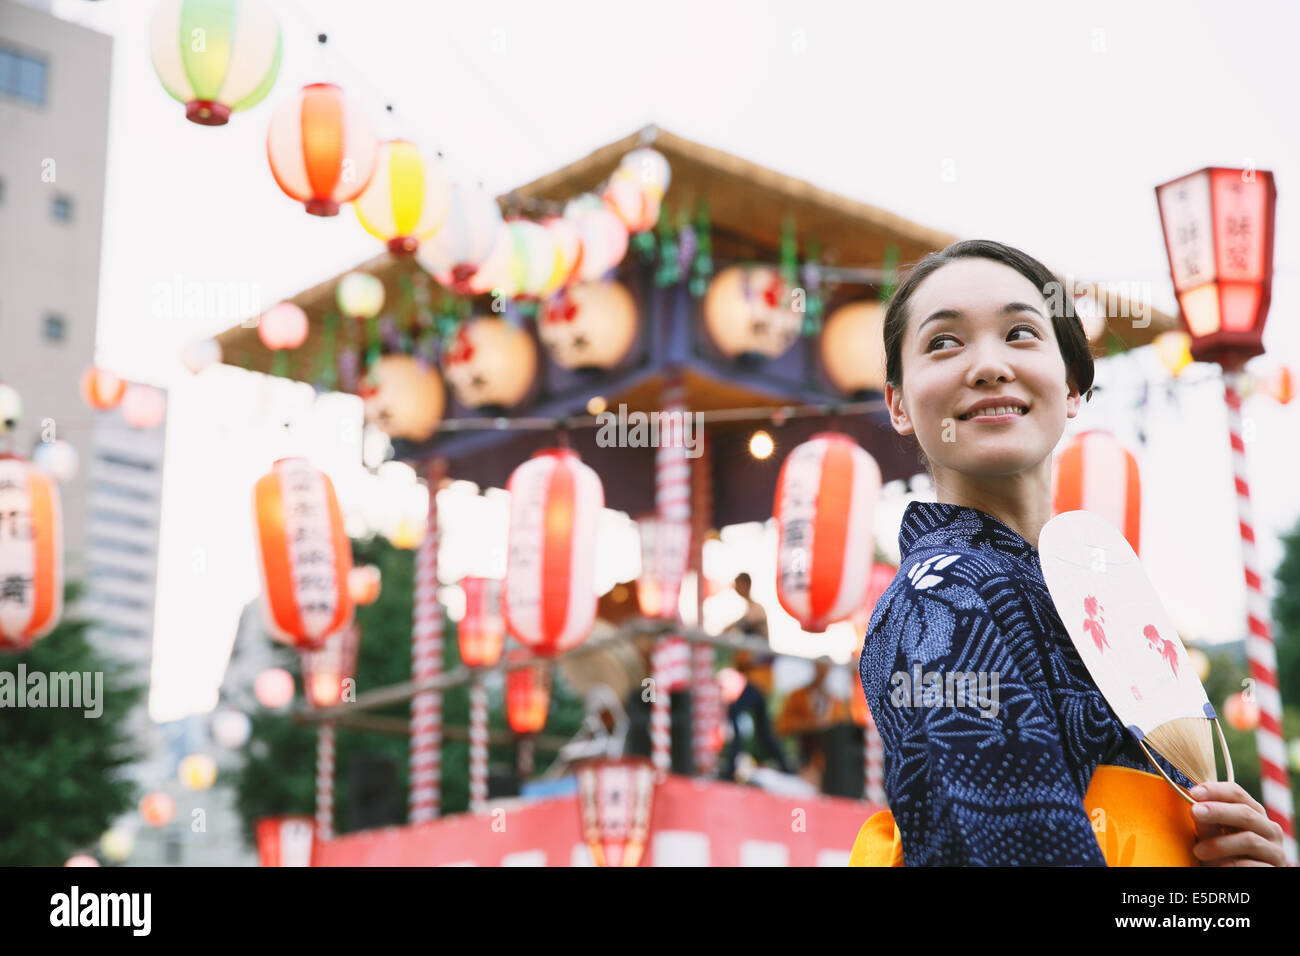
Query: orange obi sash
(1138,818)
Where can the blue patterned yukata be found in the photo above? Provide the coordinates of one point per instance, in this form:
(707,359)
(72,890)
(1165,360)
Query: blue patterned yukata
(985,774)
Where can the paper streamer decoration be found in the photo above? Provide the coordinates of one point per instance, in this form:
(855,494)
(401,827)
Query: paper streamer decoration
(1128,642)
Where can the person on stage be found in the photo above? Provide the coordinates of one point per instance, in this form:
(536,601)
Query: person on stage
(998,747)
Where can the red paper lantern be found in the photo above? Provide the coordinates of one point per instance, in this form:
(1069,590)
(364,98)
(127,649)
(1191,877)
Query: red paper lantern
(528,696)
(364,583)
(825,510)
(157,808)
(550,595)
(482,631)
(322,148)
(615,800)
(304,555)
(325,670)
(286,840)
(31,554)
(1218,226)
(1094,472)
(665,554)
(102,390)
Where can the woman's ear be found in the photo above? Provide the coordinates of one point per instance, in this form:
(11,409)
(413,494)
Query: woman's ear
(897,414)
(1073,400)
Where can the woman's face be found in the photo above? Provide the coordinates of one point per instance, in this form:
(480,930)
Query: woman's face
(975,349)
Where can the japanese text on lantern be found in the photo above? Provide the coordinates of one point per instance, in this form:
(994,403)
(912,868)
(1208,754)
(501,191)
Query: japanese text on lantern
(307,522)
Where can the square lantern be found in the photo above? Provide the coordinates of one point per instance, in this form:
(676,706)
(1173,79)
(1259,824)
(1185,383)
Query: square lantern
(615,801)
(1218,226)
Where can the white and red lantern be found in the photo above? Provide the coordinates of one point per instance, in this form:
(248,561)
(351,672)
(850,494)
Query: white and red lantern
(322,148)
(826,499)
(31,554)
(304,555)
(665,555)
(491,363)
(555,506)
(591,325)
(454,253)
(528,696)
(634,200)
(748,313)
(603,236)
(615,800)
(1218,226)
(481,632)
(325,670)
(1094,472)
(286,840)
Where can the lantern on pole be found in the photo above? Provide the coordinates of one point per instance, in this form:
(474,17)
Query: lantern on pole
(528,695)
(31,554)
(322,148)
(1218,228)
(286,840)
(216,56)
(304,555)
(550,595)
(826,499)
(665,556)
(1094,472)
(615,800)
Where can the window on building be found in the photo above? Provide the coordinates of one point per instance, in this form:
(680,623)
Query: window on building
(54,328)
(23,75)
(2,191)
(61,207)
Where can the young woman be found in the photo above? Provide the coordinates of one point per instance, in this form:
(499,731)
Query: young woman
(999,749)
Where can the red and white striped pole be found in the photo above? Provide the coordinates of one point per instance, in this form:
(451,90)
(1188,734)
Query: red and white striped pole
(706,699)
(672,503)
(478,745)
(1259,641)
(426,663)
(325,782)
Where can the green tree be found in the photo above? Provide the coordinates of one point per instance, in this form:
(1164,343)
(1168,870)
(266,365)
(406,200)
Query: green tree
(279,771)
(61,781)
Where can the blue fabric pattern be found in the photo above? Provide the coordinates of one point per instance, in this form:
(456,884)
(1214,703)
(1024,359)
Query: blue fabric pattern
(996,778)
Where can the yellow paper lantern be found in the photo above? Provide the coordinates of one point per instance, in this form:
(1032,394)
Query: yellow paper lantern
(407,198)
(408,400)
(1175,350)
(197,771)
(852,347)
(359,295)
(116,844)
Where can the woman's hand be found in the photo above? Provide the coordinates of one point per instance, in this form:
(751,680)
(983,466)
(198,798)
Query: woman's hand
(1233,828)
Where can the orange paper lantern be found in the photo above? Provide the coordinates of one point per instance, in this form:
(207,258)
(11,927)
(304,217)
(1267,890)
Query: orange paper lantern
(528,697)
(101,390)
(322,148)
(304,555)
(482,631)
(31,554)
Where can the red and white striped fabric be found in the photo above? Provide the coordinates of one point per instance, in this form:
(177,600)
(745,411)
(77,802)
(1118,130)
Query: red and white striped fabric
(1259,642)
(550,592)
(425,769)
(826,499)
(31,554)
(1094,472)
(304,555)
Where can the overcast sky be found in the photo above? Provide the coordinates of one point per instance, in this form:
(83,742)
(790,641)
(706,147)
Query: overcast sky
(1042,125)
